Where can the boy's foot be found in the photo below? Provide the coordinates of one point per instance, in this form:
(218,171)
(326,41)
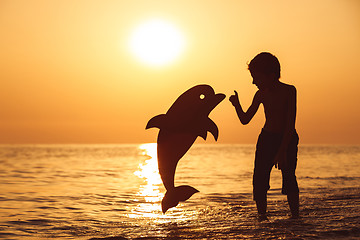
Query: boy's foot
(262,217)
(294,216)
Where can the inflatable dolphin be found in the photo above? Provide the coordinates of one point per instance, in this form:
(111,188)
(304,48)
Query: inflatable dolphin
(185,120)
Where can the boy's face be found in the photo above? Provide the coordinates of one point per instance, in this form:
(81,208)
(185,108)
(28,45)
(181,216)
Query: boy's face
(262,80)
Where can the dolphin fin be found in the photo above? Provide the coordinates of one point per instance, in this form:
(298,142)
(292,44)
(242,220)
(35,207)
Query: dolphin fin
(203,133)
(157,121)
(212,128)
(176,195)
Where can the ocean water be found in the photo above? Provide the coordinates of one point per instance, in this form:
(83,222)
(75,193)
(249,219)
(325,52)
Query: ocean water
(114,192)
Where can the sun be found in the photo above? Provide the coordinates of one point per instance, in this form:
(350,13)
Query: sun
(157,42)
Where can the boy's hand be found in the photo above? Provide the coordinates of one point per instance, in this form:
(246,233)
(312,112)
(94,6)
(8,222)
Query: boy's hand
(234,99)
(280,160)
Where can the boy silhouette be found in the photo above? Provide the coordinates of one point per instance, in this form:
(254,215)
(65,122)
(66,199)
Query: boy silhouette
(278,140)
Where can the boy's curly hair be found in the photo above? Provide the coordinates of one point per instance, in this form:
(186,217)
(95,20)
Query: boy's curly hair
(265,63)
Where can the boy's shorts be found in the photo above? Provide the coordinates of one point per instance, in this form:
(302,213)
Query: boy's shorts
(266,149)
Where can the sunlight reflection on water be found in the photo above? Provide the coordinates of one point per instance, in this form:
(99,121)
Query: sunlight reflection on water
(149,172)
(149,192)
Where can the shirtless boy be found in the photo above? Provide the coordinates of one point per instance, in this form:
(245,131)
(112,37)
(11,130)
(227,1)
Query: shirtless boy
(278,140)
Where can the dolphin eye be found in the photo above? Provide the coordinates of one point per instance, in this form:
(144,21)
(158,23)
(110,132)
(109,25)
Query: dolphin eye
(202,96)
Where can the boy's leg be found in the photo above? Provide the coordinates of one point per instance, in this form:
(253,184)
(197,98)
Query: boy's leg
(291,189)
(260,188)
(261,205)
(290,185)
(264,155)
(293,200)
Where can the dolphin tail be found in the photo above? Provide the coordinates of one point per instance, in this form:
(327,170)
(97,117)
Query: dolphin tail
(176,195)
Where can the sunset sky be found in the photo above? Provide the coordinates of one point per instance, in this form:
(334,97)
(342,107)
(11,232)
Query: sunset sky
(68,73)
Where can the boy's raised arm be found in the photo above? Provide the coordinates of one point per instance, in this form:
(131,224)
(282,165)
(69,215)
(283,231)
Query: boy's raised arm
(245,117)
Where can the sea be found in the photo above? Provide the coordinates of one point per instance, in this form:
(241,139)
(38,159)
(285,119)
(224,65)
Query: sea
(113,192)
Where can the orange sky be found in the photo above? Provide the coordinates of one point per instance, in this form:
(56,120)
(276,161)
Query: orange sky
(67,75)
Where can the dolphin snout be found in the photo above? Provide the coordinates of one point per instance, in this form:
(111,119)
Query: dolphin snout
(212,102)
(220,97)
(216,100)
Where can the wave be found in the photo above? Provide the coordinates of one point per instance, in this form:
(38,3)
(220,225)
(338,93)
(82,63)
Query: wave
(352,178)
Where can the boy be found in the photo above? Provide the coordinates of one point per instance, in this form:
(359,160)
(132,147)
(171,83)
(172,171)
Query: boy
(278,140)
